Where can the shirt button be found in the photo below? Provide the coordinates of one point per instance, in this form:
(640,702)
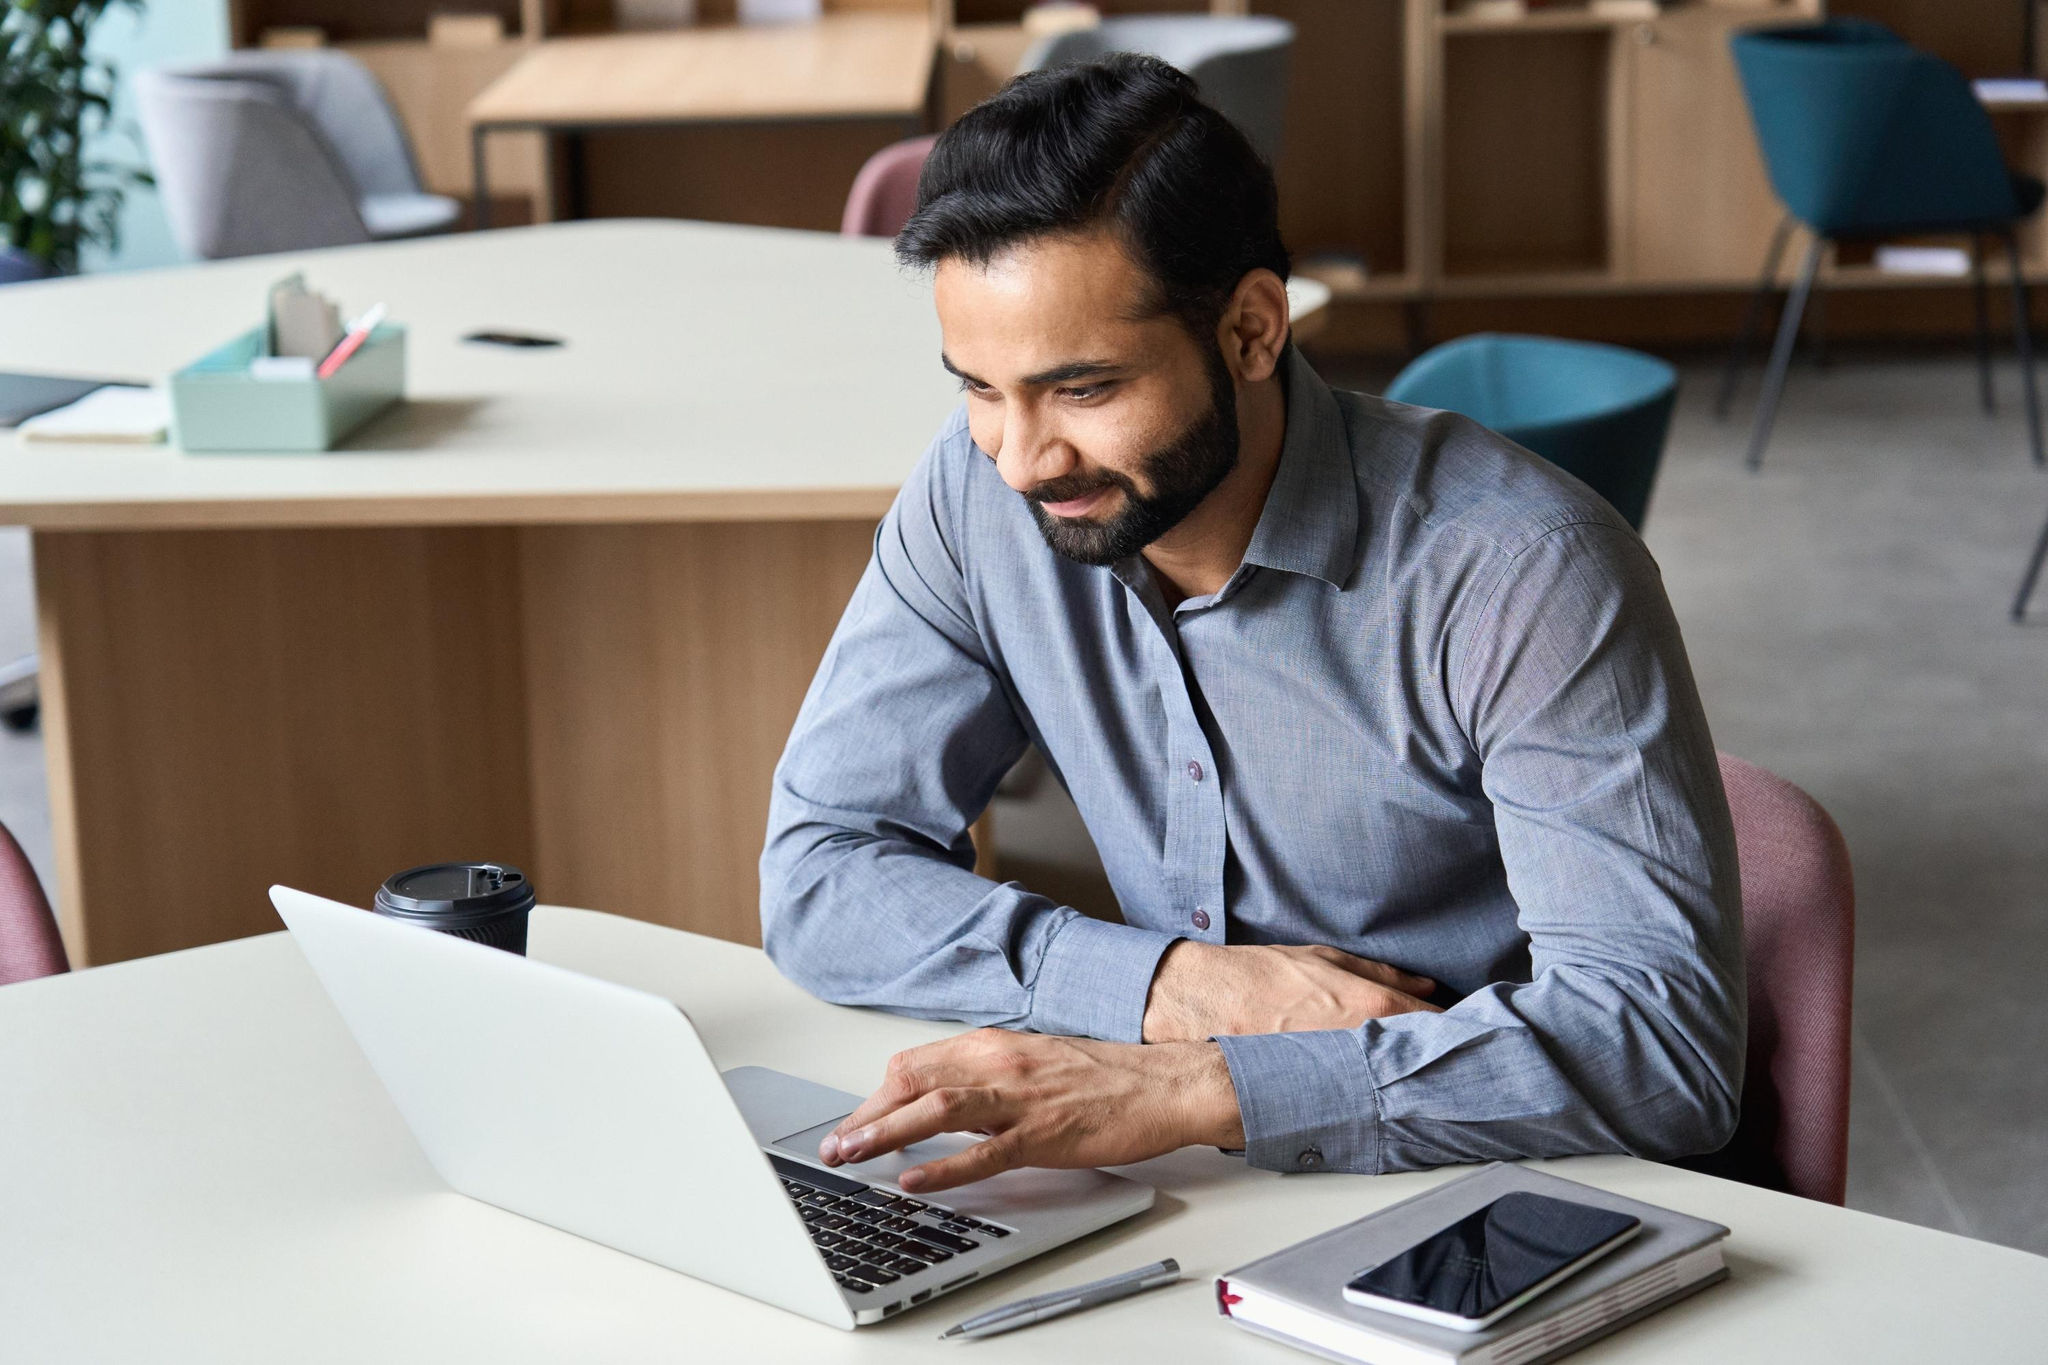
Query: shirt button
(1200,918)
(1310,1160)
(1194,770)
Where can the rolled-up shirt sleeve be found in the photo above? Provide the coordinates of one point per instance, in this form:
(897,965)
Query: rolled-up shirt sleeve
(868,894)
(1568,674)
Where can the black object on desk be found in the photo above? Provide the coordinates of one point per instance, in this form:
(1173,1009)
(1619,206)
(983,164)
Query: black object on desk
(23,396)
(484,902)
(519,340)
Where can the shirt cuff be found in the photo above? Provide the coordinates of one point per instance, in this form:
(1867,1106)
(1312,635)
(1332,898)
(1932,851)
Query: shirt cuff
(1307,1101)
(1093,980)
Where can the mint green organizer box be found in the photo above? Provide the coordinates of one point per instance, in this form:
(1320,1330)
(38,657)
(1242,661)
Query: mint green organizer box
(217,406)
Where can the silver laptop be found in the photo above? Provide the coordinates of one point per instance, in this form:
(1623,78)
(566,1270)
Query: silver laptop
(594,1108)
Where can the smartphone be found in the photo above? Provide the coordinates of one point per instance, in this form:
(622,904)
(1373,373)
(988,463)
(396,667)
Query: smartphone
(1492,1261)
(518,339)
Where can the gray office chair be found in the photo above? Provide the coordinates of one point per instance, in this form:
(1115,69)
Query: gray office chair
(282,151)
(1239,64)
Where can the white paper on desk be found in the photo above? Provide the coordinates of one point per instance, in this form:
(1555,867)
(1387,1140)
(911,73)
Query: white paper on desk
(118,413)
(779,11)
(1922,260)
(2011,90)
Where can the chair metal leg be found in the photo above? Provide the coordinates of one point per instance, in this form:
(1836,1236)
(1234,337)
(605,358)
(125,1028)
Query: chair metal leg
(2019,603)
(2023,337)
(1739,351)
(479,177)
(1813,329)
(1781,354)
(1985,395)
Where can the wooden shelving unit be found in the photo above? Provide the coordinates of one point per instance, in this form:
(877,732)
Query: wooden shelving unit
(1563,154)
(1567,154)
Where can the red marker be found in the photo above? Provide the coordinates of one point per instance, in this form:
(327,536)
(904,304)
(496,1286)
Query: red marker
(358,333)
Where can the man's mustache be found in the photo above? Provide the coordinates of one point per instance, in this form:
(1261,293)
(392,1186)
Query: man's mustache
(1074,486)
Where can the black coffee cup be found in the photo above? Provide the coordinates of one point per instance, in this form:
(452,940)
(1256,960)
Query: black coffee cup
(483,902)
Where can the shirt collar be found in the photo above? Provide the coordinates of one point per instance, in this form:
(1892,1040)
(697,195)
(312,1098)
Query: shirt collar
(1310,521)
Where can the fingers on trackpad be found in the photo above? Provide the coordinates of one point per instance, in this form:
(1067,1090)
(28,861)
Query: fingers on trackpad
(804,1145)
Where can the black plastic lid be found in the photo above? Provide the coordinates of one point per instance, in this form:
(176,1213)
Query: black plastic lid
(456,891)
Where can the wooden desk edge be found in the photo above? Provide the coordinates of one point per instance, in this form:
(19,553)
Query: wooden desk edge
(914,106)
(428,509)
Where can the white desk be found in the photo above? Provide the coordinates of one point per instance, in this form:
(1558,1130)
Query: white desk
(196,1165)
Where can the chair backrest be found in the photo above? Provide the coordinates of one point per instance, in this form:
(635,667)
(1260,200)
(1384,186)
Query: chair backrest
(1238,63)
(29,944)
(884,194)
(1600,413)
(1862,133)
(341,98)
(1799,929)
(240,171)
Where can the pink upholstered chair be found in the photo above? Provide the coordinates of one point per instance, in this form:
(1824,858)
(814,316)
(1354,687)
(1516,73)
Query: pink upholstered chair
(884,194)
(29,946)
(1798,923)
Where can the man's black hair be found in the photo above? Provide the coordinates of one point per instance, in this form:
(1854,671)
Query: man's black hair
(1123,143)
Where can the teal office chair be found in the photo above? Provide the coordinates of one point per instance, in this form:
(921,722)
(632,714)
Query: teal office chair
(1865,136)
(1599,413)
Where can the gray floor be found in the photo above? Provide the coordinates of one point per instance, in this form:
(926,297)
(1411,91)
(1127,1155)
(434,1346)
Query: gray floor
(1845,613)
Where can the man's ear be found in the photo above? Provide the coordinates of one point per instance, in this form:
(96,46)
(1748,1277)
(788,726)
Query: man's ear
(1254,330)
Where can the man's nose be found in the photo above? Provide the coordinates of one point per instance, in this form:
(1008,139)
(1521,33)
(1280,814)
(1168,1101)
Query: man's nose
(1032,453)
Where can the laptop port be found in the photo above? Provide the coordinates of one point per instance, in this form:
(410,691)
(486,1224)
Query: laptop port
(920,1296)
(892,1310)
(955,1284)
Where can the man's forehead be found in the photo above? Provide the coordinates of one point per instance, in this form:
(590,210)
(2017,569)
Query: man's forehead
(1048,300)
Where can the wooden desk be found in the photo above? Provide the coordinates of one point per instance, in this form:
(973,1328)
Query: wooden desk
(875,66)
(560,609)
(200,1167)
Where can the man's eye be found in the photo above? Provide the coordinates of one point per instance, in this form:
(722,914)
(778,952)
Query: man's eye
(978,390)
(1081,393)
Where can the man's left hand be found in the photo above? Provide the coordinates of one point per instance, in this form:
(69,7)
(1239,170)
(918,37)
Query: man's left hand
(1043,1101)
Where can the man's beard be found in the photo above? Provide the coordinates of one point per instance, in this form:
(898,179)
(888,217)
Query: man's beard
(1181,473)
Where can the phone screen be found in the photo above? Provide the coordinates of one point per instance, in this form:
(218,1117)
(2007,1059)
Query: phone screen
(1488,1257)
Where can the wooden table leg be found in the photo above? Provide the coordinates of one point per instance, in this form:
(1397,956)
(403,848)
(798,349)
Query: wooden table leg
(664,666)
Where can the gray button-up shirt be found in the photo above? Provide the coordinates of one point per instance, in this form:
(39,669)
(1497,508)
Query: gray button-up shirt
(1441,716)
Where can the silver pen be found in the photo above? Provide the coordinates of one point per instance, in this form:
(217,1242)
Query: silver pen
(1061,1302)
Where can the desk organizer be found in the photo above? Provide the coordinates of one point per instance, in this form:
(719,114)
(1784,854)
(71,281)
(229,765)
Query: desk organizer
(216,405)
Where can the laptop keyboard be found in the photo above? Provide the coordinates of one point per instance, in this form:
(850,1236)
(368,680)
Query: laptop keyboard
(870,1237)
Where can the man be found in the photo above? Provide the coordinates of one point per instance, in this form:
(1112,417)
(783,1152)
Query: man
(1382,725)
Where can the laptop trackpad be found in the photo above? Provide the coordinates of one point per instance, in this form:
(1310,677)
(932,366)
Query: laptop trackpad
(882,1168)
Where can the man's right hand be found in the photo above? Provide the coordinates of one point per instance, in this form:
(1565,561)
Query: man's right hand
(1202,990)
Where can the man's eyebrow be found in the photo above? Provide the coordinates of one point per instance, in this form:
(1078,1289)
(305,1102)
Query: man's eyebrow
(1072,370)
(1058,374)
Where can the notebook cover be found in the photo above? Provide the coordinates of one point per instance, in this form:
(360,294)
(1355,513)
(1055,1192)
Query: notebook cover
(1312,1274)
(23,396)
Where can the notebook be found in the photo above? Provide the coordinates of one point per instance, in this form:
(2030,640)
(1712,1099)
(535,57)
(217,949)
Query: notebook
(1297,1295)
(22,396)
(117,413)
